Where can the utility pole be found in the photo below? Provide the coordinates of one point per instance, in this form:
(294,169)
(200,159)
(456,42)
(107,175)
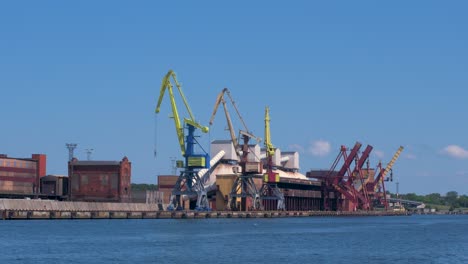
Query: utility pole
(71,147)
(88,153)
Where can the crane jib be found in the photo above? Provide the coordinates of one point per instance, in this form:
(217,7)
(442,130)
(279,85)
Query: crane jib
(186,143)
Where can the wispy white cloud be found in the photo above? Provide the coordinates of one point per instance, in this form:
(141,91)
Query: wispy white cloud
(379,154)
(320,148)
(455,151)
(296,147)
(410,156)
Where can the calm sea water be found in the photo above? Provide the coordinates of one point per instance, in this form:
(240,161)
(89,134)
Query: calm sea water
(414,239)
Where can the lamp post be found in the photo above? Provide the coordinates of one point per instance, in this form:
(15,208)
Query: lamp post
(397,189)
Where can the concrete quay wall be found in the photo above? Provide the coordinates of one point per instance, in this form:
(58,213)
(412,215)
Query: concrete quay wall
(11,209)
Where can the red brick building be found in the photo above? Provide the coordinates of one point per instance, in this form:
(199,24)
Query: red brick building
(100,181)
(21,176)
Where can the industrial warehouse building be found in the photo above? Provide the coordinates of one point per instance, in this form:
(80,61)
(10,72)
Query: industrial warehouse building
(21,176)
(100,181)
(300,193)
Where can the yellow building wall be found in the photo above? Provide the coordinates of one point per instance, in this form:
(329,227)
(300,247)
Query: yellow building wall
(224,183)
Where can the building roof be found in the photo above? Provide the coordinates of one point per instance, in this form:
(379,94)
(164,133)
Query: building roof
(56,175)
(320,173)
(221,141)
(4,156)
(95,163)
(53,177)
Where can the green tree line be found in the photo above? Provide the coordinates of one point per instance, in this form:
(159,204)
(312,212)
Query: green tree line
(451,199)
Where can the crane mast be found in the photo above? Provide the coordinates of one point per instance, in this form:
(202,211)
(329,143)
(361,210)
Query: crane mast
(188,183)
(244,186)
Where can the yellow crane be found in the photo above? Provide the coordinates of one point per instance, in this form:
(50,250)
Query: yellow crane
(270,190)
(270,149)
(380,179)
(188,183)
(186,148)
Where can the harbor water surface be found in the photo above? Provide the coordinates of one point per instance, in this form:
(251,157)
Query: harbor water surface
(405,239)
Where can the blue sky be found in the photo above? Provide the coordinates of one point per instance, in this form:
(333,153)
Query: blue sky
(384,74)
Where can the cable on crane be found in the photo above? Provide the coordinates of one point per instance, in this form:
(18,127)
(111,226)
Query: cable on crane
(155,135)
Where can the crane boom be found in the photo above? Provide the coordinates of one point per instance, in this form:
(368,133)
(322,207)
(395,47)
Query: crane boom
(383,173)
(167,85)
(348,160)
(220,99)
(270,149)
(358,168)
(270,176)
(237,110)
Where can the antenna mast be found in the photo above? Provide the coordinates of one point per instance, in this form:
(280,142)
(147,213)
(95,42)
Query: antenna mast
(88,153)
(71,148)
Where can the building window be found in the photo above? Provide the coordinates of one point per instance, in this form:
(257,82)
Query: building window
(84,180)
(75,182)
(104,180)
(114,181)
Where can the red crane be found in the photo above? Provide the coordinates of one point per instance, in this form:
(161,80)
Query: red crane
(333,181)
(362,198)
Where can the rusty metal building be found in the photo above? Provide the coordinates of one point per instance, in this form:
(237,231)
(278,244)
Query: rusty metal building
(21,176)
(100,181)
